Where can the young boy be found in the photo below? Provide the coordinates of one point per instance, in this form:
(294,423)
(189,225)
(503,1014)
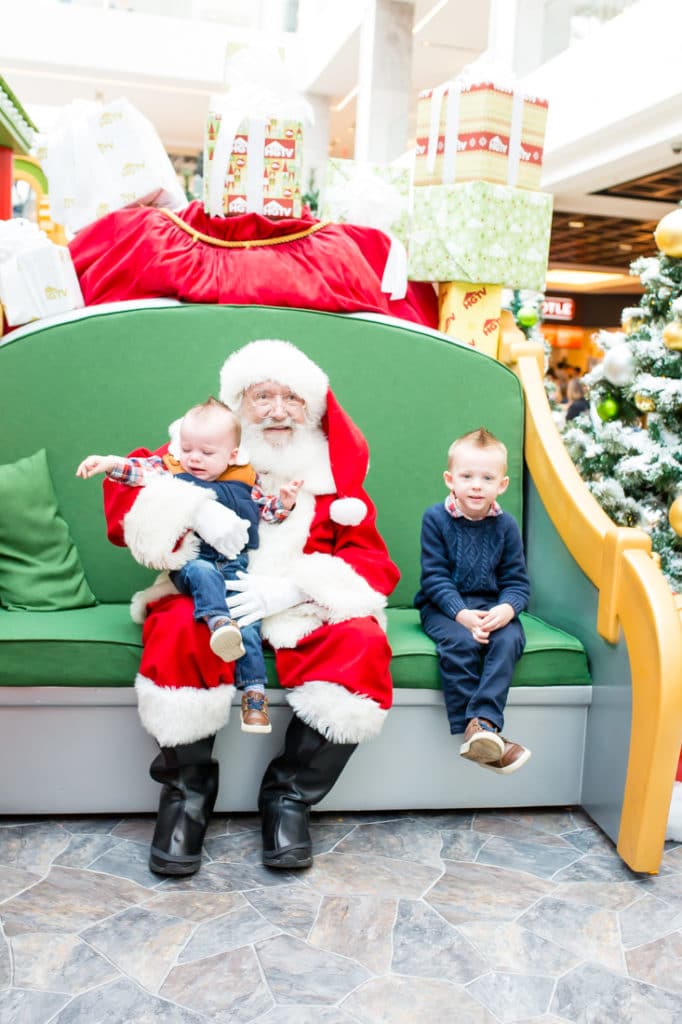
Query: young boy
(208,443)
(474,583)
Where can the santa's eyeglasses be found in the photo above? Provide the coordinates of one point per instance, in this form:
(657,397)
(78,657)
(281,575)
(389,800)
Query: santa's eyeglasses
(266,401)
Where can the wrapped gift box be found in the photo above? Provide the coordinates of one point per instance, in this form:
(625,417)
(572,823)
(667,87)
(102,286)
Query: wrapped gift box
(253,136)
(479,131)
(264,165)
(471,313)
(477,232)
(377,195)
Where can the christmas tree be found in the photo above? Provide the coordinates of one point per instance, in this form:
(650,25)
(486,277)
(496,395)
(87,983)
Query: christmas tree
(526,308)
(628,448)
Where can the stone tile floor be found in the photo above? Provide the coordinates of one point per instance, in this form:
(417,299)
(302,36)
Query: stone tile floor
(463,917)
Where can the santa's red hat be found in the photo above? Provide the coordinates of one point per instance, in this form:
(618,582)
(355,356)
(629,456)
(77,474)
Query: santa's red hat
(283,363)
(349,458)
(278,361)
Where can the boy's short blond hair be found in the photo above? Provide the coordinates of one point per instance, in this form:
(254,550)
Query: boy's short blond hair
(213,406)
(480,438)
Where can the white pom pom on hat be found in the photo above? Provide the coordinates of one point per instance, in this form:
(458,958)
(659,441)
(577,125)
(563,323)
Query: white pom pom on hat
(276,360)
(348,511)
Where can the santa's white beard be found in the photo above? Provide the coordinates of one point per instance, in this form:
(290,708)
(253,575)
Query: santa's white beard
(303,455)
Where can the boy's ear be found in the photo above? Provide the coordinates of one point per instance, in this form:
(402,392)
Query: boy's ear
(234,454)
(504,484)
(449,483)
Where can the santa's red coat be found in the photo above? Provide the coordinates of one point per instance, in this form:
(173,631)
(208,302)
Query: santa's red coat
(143,253)
(350,569)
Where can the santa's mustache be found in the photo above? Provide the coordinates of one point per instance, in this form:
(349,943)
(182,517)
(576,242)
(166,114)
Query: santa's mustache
(270,421)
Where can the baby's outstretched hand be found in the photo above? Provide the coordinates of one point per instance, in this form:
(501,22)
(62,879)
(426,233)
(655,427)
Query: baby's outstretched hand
(289,492)
(95,464)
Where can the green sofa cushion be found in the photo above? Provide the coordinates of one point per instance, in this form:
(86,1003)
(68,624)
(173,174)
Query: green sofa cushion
(40,568)
(98,646)
(101,646)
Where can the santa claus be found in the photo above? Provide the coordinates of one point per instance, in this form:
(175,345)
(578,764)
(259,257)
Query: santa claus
(318,582)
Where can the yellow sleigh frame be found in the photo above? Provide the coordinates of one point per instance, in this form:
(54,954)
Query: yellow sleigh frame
(633,596)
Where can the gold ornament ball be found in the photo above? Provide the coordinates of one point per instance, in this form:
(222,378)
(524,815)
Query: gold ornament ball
(644,402)
(668,234)
(675,515)
(672,335)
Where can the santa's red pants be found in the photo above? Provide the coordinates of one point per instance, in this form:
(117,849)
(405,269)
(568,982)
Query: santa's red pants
(355,654)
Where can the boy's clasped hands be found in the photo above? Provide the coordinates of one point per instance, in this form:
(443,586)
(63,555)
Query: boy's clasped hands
(482,623)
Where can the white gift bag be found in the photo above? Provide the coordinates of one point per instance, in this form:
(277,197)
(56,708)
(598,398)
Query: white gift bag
(78,178)
(101,157)
(140,169)
(37,278)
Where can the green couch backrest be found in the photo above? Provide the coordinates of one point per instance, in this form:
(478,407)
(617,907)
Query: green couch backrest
(114,381)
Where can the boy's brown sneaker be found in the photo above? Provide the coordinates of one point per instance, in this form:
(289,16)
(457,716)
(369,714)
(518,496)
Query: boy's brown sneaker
(481,744)
(226,640)
(255,717)
(512,759)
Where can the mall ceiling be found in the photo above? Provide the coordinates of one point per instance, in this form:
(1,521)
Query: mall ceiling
(614,242)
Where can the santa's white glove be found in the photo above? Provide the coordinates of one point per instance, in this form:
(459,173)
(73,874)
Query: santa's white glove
(260,596)
(222,528)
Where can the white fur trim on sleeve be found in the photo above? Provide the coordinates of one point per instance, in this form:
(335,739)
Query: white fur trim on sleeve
(162,513)
(341,716)
(336,593)
(161,587)
(184,714)
(334,584)
(347,511)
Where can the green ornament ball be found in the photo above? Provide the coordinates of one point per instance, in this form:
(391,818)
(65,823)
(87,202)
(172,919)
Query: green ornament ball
(608,409)
(527,316)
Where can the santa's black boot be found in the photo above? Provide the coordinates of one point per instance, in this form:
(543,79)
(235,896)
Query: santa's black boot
(189,775)
(302,775)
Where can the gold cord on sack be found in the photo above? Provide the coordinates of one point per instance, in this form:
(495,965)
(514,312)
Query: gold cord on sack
(198,236)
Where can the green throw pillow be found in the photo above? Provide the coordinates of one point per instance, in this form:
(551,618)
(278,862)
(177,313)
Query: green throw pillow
(40,569)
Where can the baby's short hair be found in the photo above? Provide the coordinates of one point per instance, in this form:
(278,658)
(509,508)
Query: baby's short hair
(214,407)
(480,438)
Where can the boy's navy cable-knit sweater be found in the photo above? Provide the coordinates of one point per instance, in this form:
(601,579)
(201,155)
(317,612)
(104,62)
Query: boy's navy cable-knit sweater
(464,561)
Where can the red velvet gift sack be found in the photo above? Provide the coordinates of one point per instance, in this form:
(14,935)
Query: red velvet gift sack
(248,259)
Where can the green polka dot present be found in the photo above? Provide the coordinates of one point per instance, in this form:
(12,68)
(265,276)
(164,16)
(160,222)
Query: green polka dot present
(477,231)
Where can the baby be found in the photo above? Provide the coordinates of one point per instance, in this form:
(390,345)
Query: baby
(209,438)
